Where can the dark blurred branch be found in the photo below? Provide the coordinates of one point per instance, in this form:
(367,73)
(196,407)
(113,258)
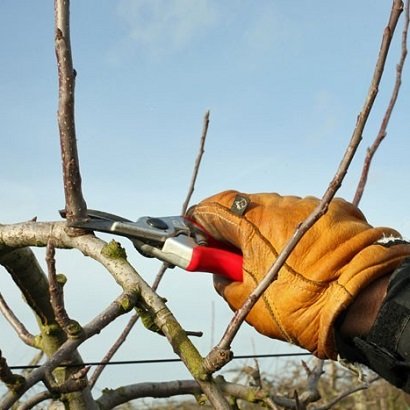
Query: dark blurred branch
(76,207)
(311,394)
(321,209)
(383,127)
(28,275)
(13,381)
(346,393)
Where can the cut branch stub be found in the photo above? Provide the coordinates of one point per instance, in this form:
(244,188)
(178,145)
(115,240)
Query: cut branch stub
(216,359)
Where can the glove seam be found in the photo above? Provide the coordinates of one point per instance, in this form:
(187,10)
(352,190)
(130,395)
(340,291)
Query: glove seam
(272,310)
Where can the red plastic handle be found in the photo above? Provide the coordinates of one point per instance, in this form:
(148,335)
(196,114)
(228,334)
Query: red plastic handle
(218,261)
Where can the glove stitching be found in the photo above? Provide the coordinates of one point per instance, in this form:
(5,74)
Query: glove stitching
(218,215)
(271,309)
(275,253)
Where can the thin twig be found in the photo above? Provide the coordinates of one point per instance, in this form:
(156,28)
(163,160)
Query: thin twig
(321,209)
(55,288)
(349,392)
(15,323)
(114,348)
(32,363)
(124,334)
(160,275)
(76,207)
(111,398)
(34,400)
(383,127)
(197,164)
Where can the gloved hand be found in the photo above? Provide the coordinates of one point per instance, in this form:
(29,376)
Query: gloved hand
(335,260)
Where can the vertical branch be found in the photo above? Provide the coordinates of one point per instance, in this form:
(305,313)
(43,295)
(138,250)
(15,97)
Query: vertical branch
(221,353)
(55,288)
(197,163)
(76,207)
(56,293)
(383,127)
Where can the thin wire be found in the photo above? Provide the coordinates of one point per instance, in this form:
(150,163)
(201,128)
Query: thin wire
(156,361)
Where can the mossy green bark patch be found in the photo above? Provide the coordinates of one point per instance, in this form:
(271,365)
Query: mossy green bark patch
(186,350)
(127,302)
(61,279)
(74,329)
(114,250)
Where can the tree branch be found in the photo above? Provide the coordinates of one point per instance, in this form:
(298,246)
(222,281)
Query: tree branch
(76,207)
(38,234)
(114,348)
(349,392)
(198,159)
(55,288)
(240,315)
(77,381)
(71,327)
(34,400)
(111,398)
(383,127)
(311,394)
(27,274)
(15,323)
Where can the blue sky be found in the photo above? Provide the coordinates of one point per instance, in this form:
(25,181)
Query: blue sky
(284,82)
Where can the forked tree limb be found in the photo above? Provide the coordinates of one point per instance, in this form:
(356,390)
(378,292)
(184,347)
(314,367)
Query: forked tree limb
(135,289)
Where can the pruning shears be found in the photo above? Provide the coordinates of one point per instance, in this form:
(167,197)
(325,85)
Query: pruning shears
(175,240)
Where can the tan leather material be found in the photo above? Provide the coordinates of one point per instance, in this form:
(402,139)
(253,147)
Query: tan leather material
(333,262)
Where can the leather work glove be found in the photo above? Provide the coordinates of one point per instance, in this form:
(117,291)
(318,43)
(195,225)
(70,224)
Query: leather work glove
(335,260)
